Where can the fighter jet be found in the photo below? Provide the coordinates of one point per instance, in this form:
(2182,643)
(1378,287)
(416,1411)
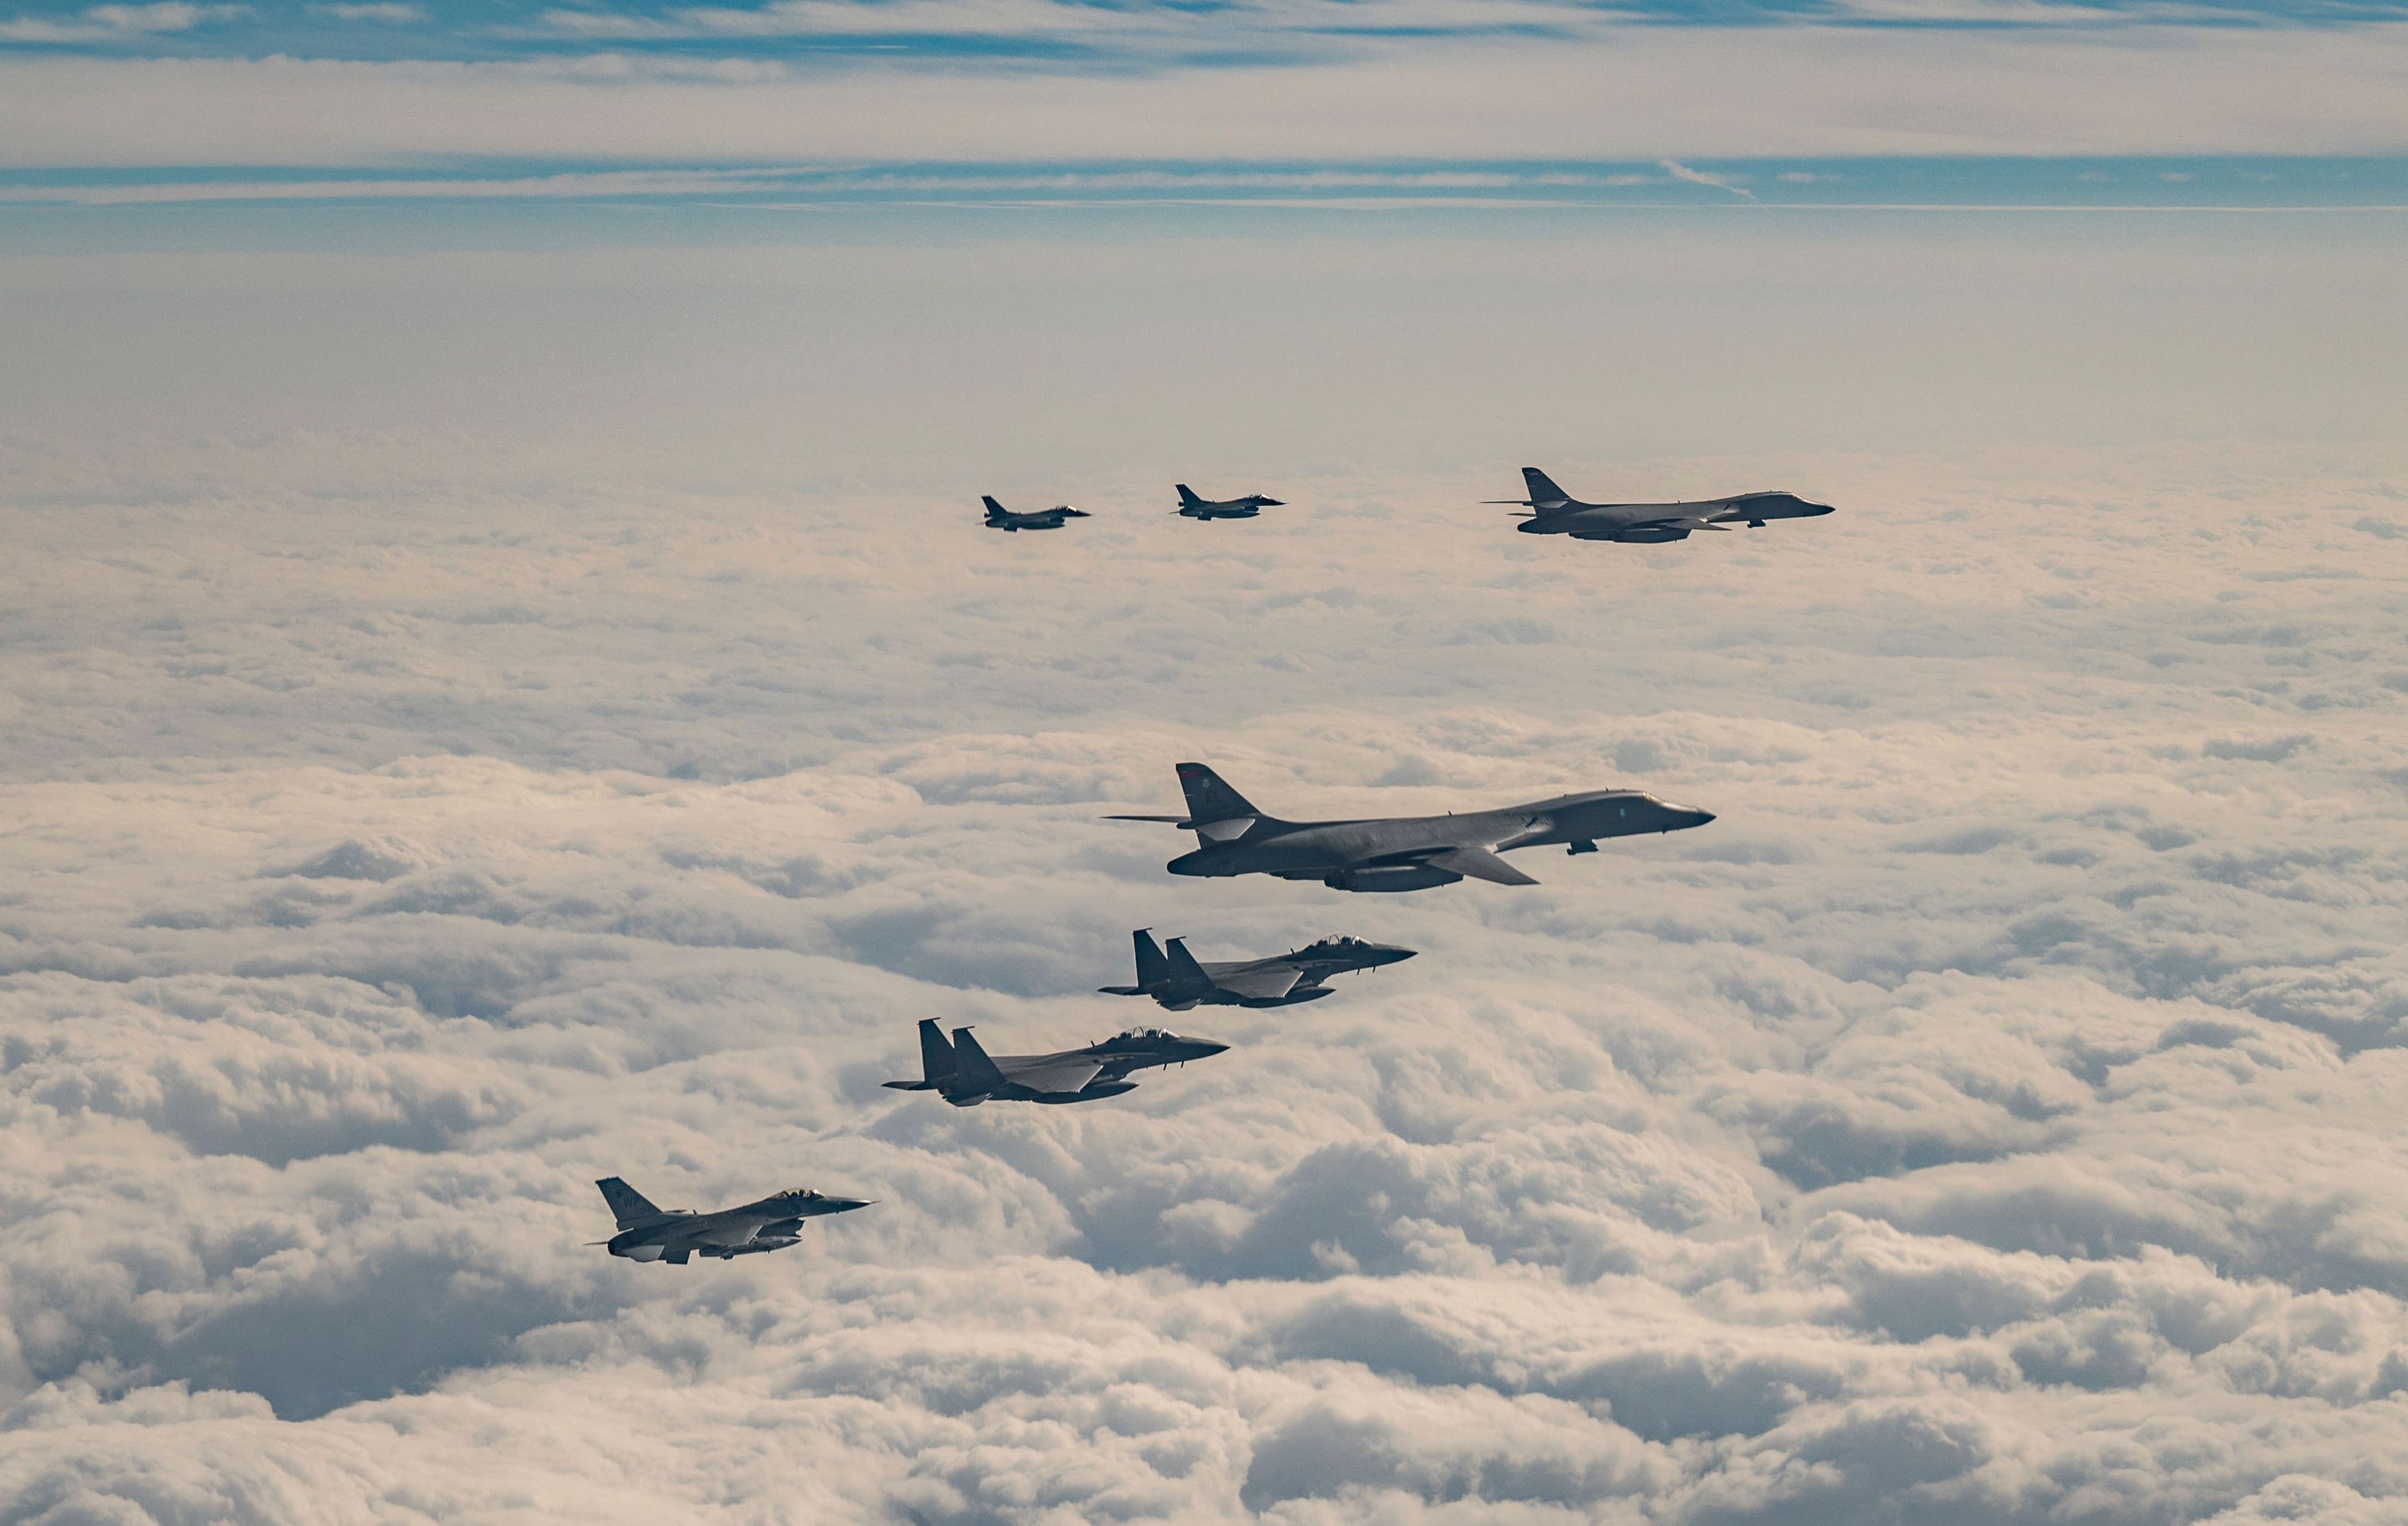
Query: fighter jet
(1000,518)
(1177,981)
(1191,507)
(966,1076)
(1554,512)
(1402,853)
(646,1234)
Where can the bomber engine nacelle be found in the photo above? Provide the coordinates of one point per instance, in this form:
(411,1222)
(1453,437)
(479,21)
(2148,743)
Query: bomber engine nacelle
(1642,538)
(1390,877)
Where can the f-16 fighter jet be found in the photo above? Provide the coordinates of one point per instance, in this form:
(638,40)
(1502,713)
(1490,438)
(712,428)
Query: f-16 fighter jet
(966,1076)
(1402,853)
(1554,512)
(1000,518)
(1177,981)
(1191,507)
(648,1234)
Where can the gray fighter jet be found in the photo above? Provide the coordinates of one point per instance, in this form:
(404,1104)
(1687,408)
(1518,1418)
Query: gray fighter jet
(1402,853)
(966,1076)
(646,1234)
(1177,981)
(1191,507)
(1000,518)
(1554,512)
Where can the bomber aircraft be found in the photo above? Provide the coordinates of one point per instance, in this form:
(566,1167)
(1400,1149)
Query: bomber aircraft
(1000,518)
(1177,981)
(1191,507)
(1402,853)
(646,1234)
(1554,512)
(965,1075)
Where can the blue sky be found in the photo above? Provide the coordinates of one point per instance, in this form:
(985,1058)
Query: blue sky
(1363,104)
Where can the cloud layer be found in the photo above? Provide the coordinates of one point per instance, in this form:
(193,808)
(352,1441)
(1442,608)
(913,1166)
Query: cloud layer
(1990,1118)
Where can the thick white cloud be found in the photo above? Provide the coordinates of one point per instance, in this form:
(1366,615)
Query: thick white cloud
(1990,1116)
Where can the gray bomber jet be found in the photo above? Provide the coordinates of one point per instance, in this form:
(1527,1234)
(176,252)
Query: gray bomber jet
(965,1075)
(646,1234)
(1000,518)
(1191,507)
(1402,853)
(1176,980)
(1554,512)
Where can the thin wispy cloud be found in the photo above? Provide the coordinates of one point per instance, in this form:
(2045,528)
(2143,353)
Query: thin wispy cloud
(384,10)
(1680,171)
(101,23)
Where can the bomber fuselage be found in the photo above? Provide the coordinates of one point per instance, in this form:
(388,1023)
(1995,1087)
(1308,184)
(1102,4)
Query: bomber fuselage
(1649,522)
(1309,850)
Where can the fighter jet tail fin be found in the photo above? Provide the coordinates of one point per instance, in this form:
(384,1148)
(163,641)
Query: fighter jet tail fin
(970,1062)
(994,510)
(1187,499)
(936,1060)
(1151,968)
(1189,975)
(627,1205)
(1218,812)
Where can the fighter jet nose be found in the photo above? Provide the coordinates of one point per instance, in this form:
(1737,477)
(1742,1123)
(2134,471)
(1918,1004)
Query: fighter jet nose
(1206,1049)
(846,1205)
(1698,818)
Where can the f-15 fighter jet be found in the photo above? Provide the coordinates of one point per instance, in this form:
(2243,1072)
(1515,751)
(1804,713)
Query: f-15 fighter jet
(1000,518)
(647,1233)
(1402,853)
(1554,512)
(1177,981)
(966,1076)
(1191,507)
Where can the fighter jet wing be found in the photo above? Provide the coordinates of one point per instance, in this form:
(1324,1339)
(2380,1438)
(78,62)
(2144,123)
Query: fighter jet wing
(1054,1072)
(1478,864)
(1268,984)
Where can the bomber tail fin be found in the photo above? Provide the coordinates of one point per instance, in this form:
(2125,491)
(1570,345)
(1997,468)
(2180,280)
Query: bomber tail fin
(1544,494)
(627,1205)
(1218,812)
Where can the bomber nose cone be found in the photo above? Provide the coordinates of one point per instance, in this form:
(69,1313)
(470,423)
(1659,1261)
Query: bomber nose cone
(1698,818)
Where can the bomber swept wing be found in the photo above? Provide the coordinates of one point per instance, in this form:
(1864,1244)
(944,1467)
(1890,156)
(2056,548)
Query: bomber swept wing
(1478,864)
